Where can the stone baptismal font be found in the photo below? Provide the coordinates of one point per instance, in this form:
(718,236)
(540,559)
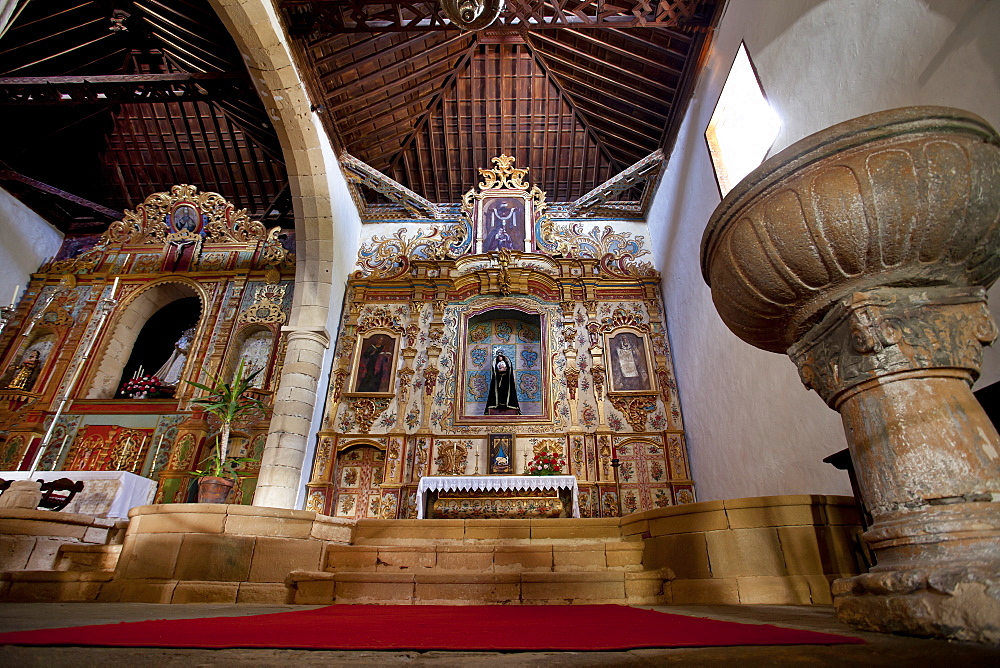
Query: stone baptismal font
(864,252)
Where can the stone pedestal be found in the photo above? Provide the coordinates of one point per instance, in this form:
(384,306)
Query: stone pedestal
(864,252)
(898,364)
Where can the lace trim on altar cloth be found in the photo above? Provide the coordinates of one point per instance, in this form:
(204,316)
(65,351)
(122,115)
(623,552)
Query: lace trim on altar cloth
(495,483)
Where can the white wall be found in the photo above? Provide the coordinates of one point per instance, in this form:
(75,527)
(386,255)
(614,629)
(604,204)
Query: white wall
(752,427)
(27,241)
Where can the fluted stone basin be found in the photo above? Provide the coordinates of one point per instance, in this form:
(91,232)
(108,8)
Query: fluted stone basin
(907,197)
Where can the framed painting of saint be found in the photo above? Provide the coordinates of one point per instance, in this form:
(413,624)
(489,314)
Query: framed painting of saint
(504,219)
(185,218)
(375,364)
(630,368)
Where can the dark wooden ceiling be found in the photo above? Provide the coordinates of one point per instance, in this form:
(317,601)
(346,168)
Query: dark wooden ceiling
(98,119)
(577,91)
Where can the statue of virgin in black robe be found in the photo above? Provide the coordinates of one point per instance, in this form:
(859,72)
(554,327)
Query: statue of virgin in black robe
(503,392)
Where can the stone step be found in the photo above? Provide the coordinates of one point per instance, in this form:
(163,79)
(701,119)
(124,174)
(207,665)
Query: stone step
(464,587)
(73,557)
(33,586)
(407,532)
(486,557)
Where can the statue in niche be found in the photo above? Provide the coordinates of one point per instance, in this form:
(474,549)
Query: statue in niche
(170,373)
(502,399)
(25,372)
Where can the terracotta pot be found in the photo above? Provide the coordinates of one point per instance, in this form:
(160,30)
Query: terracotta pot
(906,198)
(212,489)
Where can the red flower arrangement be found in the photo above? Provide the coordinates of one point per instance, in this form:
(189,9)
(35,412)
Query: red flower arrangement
(141,387)
(546,463)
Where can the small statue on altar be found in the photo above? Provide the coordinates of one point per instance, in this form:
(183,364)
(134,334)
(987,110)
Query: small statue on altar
(25,372)
(170,373)
(502,399)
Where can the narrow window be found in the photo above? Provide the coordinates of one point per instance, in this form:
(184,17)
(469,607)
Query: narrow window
(743,126)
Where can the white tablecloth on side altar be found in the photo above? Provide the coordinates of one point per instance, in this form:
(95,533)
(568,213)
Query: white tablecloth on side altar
(495,483)
(105,493)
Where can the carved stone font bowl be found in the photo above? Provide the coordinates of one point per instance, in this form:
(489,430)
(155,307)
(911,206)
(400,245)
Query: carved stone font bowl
(907,197)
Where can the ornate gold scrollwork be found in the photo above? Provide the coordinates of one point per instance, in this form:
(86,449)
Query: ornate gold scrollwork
(366,411)
(635,408)
(266,307)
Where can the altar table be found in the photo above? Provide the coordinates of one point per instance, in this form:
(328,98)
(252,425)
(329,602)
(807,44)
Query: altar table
(105,493)
(496,483)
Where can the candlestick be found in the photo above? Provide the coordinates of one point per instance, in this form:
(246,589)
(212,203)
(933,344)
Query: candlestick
(156,453)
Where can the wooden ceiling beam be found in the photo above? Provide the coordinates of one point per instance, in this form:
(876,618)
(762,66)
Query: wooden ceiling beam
(589,36)
(600,77)
(381,53)
(590,88)
(572,105)
(659,48)
(11,175)
(354,99)
(463,63)
(359,123)
(584,101)
(624,71)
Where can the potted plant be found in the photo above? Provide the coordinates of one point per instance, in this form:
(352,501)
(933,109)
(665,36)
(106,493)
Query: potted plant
(228,402)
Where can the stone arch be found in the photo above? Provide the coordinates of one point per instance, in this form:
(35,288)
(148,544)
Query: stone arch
(324,213)
(131,315)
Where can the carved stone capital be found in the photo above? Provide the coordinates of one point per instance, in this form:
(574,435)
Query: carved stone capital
(635,408)
(366,411)
(874,334)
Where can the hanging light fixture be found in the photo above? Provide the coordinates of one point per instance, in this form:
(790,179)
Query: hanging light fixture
(472,14)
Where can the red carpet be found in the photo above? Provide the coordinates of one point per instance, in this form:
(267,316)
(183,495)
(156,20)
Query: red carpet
(434,627)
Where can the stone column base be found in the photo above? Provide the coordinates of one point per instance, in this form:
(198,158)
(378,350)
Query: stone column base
(959,601)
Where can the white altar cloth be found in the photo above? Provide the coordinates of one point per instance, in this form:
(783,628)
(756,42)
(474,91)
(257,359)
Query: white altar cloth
(495,483)
(105,493)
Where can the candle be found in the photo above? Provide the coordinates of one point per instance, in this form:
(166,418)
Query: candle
(17,291)
(114,288)
(614,452)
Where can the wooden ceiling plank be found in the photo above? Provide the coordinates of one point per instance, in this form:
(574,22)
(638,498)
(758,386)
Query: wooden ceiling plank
(388,111)
(636,38)
(600,77)
(628,127)
(570,103)
(213,167)
(584,102)
(354,99)
(462,63)
(577,80)
(624,71)
(384,72)
(590,36)
(412,41)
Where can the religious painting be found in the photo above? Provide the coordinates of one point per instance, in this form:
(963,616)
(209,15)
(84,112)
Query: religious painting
(184,218)
(629,363)
(504,222)
(375,364)
(501,454)
(503,358)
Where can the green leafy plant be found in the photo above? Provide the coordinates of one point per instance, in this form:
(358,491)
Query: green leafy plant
(228,402)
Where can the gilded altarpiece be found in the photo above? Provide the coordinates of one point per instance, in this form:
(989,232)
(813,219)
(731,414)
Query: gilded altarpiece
(67,344)
(577,316)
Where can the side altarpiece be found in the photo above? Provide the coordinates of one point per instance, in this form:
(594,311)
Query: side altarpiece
(580,320)
(81,327)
